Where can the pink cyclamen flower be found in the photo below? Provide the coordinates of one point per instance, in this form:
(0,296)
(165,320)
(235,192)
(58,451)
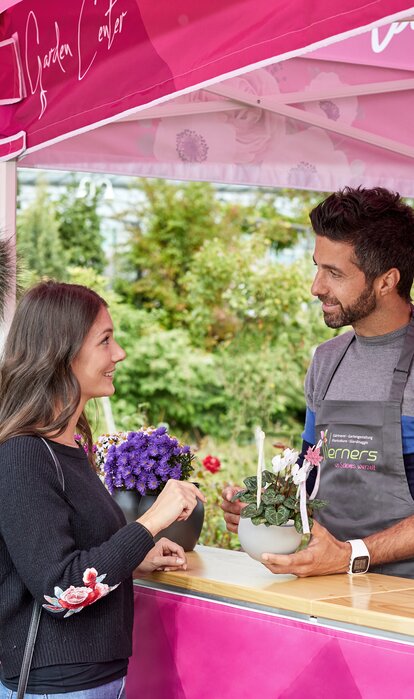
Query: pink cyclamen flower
(313,455)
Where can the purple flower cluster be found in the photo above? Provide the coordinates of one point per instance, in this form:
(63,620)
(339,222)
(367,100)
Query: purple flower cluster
(146,460)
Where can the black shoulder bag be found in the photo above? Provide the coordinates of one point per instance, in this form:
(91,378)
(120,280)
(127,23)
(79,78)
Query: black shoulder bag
(37,610)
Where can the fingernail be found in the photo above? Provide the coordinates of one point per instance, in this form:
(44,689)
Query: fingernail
(265,557)
(179,561)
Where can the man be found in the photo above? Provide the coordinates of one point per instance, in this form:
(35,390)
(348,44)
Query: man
(359,390)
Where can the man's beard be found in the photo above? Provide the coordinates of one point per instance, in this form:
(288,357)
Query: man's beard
(365,304)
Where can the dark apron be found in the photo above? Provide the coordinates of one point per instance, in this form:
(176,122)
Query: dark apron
(363,477)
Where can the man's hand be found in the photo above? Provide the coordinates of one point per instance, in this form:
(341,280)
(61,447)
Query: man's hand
(325,555)
(165,555)
(231,509)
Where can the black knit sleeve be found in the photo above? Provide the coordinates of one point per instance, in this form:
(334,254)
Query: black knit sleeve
(37,525)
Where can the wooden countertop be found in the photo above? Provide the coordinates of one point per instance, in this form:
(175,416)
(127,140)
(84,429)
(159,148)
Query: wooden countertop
(371,600)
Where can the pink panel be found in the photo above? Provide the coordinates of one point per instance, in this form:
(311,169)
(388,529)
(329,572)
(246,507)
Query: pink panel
(187,647)
(389,46)
(10,79)
(248,145)
(89,60)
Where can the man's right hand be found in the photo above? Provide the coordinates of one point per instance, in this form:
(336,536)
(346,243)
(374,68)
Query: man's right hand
(231,509)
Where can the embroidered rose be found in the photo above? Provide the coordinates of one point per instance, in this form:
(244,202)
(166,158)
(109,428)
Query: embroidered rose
(90,577)
(74,599)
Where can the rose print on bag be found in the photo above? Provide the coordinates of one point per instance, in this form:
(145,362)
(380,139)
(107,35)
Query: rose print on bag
(74,599)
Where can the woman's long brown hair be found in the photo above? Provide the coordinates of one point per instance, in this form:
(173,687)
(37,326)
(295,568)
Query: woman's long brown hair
(47,331)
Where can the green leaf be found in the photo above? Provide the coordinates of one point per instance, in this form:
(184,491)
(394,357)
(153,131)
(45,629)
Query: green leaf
(269,497)
(248,496)
(291,502)
(268,477)
(282,515)
(271,515)
(251,483)
(257,520)
(251,511)
(317,504)
(279,499)
(298,523)
(238,496)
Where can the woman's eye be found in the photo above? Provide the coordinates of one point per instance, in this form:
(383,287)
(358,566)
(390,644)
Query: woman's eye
(106,339)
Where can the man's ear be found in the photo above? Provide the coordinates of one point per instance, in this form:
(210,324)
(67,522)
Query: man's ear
(387,282)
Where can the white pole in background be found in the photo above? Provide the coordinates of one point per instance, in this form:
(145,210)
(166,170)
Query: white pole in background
(8,193)
(109,418)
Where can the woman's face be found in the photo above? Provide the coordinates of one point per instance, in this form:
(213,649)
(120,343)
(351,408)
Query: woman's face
(94,365)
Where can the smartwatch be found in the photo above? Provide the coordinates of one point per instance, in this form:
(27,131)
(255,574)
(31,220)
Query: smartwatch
(359,562)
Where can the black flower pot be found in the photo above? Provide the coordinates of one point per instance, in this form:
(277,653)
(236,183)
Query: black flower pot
(128,501)
(185,533)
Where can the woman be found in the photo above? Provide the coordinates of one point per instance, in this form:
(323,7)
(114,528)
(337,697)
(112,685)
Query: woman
(68,546)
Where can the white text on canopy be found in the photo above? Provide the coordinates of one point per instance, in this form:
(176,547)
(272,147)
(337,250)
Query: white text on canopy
(109,24)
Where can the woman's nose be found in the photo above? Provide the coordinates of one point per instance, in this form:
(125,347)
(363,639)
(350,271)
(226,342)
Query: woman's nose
(119,354)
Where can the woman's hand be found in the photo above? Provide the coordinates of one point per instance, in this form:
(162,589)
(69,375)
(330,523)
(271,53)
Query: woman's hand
(166,555)
(176,502)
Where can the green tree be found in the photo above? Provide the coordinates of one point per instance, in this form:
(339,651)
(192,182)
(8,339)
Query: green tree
(170,226)
(175,221)
(80,228)
(39,245)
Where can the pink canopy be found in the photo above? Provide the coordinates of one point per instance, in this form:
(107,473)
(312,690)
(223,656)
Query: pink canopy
(281,93)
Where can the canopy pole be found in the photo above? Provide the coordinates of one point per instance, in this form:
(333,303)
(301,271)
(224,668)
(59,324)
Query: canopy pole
(8,193)
(312,119)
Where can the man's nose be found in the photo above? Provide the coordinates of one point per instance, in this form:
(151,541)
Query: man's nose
(318,287)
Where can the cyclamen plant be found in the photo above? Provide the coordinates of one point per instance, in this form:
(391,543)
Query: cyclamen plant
(144,460)
(283,495)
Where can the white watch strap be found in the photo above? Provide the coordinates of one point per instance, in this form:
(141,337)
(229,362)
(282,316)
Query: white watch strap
(358,549)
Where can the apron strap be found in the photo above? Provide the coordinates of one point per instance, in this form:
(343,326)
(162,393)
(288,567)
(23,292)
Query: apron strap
(327,383)
(402,370)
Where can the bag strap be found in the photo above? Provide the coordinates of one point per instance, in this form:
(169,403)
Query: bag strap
(37,609)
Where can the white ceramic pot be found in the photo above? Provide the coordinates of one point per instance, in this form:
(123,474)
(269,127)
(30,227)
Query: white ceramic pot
(259,539)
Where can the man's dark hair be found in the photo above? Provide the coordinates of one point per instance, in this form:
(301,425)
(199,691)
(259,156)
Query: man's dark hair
(379,225)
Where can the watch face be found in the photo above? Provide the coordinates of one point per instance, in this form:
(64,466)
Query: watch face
(360,564)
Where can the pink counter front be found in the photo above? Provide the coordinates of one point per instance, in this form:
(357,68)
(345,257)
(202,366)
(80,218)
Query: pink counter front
(229,629)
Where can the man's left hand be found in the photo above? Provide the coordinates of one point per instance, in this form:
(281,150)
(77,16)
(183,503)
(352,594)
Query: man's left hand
(165,555)
(325,555)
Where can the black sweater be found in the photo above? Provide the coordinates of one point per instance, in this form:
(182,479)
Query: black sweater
(48,538)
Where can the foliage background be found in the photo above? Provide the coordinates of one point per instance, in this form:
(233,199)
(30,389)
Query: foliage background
(210,299)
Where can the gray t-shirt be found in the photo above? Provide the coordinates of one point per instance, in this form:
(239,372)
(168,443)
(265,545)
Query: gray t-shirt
(365,373)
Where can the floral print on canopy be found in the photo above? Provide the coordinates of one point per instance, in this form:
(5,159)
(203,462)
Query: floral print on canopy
(74,599)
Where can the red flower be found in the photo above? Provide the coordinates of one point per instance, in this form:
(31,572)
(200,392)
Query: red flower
(212,463)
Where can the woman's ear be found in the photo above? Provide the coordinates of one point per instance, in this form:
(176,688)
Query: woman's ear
(387,282)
